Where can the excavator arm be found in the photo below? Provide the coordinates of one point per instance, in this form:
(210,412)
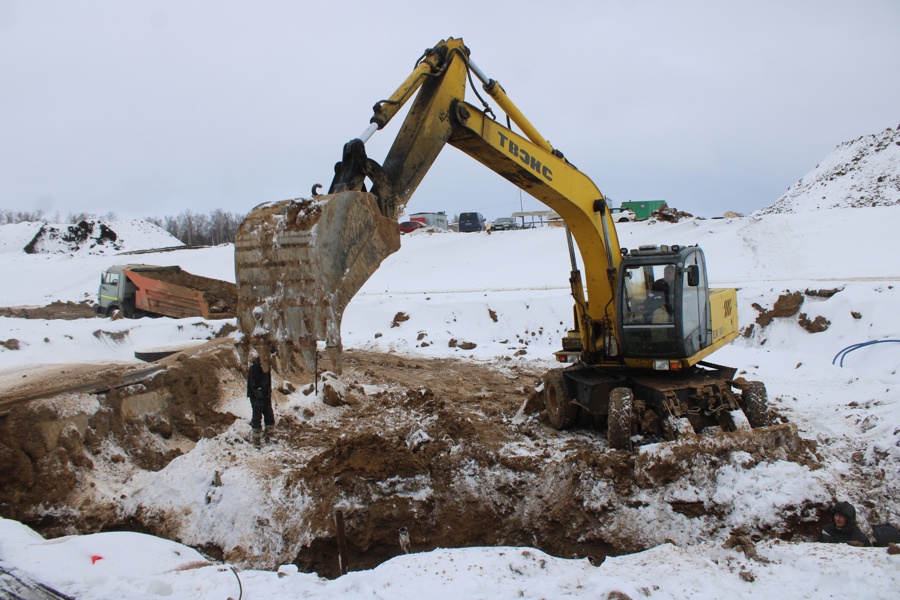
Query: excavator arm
(299,262)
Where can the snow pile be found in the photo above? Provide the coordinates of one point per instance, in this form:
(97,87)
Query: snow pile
(863,172)
(84,238)
(133,565)
(14,237)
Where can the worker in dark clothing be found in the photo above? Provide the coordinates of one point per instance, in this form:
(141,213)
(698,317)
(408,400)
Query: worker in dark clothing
(259,390)
(657,307)
(844,529)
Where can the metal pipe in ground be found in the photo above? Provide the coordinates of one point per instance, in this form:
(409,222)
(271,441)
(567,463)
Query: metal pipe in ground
(343,558)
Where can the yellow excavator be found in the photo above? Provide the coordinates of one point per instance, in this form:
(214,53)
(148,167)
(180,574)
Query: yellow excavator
(644,319)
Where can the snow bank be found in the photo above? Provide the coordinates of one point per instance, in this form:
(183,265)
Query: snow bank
(133,565)
(864,172)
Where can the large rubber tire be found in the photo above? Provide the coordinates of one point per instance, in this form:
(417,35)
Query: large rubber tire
(619,419)
(560,410)
(755,403)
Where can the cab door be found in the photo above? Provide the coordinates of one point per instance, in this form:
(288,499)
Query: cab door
(695,323)
(109,288)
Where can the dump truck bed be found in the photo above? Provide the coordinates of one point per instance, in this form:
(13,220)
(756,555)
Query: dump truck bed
(177,293)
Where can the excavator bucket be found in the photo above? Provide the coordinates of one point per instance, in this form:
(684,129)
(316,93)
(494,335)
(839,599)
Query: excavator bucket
(298,263)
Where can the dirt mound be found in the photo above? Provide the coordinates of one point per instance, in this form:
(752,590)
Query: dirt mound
(93,237)
(788,305)
(47,446)
(669,215)
(56,310)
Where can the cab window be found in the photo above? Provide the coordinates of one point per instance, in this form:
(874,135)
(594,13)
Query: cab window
(648,322)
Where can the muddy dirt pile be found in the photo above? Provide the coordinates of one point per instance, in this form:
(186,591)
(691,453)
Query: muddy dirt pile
(50,449)
(55,310)
(669,215)
(440,447)
(788,305)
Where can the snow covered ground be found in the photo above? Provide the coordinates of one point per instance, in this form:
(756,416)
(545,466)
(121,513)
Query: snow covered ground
(137,566)
(447,283)
(507,293)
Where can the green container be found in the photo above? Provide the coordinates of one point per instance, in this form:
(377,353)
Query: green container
(643,208)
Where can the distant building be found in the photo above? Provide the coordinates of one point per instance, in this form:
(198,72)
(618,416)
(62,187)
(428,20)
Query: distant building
(643,208)
(435,219)
(537,218)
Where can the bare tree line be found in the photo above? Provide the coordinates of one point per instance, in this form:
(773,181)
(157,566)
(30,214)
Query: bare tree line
(193,229)
(9,217)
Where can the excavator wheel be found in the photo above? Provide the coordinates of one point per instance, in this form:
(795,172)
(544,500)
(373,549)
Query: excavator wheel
(620,409)
(561,412)
(755,403)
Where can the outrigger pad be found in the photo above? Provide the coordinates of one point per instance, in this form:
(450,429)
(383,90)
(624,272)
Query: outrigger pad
(298,263)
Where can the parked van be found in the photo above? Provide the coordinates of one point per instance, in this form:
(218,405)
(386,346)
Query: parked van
(471,221)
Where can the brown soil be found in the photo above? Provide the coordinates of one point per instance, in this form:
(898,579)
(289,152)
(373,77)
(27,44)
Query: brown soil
(817,325)
(48,445)
(670,215)
(787,305)
(57,310)
(434,445)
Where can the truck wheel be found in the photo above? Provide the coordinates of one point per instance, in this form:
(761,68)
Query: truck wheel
(127,310)
(112,309)
(619,419)
(560,410)
(755,402)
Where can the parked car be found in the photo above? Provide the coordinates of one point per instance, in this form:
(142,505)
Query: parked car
(504,223)
(410,226)
(471,221)
(622,215)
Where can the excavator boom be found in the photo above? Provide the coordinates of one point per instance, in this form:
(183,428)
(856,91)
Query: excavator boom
(292,293)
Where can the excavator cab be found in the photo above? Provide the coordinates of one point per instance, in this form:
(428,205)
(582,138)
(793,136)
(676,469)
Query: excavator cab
(664,299)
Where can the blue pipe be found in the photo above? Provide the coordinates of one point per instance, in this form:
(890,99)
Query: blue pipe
(843,353)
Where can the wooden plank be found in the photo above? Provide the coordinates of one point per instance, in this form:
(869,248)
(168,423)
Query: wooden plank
(101,380)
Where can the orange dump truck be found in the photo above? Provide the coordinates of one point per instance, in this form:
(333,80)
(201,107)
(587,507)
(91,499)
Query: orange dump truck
(138,290)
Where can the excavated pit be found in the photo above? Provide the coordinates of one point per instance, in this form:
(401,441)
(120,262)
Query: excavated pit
(432,445)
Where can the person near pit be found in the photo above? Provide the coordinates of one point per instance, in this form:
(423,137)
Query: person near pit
(844,529)
(259,391)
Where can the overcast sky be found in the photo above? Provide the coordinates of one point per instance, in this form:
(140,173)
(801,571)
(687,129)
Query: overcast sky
(151,108)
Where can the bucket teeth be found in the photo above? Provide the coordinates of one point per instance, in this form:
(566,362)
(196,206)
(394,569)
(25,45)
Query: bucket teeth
(298,263)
